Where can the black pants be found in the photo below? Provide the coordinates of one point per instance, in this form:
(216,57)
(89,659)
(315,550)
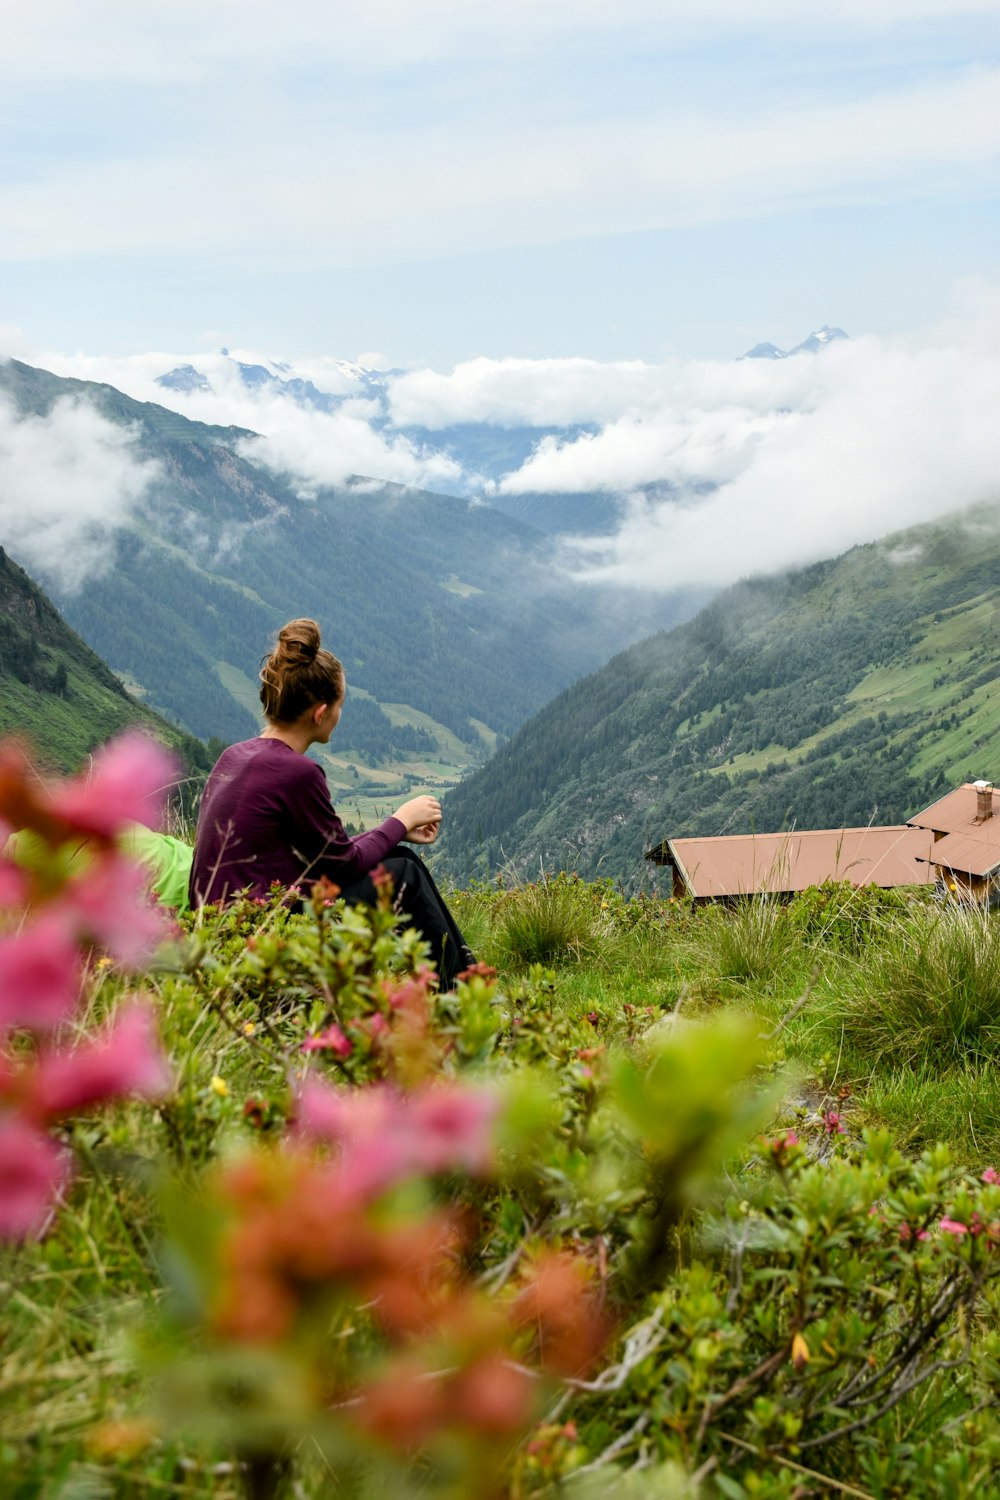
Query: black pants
(419,899)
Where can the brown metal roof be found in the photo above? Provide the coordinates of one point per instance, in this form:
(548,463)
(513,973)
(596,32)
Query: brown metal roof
(742,864)
(956,813)
(968,853)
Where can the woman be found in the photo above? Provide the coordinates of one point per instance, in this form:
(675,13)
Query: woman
(266,814)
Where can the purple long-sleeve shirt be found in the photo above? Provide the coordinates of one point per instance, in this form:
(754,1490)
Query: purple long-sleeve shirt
(266,816)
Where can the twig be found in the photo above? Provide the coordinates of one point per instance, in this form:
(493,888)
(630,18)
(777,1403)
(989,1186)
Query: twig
(788,1463)
(614,1449)
(736,1261)
(901,1389)
(712,1408)
(799,1005)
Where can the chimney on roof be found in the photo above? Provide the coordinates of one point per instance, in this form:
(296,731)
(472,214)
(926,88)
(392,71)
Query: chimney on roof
(984,800)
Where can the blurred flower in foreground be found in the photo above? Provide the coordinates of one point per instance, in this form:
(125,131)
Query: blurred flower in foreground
(341,1229)
(54,908)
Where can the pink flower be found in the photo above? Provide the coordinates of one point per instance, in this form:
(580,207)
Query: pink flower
(13,883)
(110,905)
(991,1176)
(385,1137)
(331,1040)
(410,995)
(127,783)
(34,1172)
(451,1126)
(832,1123)
(127,1060)
(781,1145)
(39,974)
(952,1226)
(906,1234)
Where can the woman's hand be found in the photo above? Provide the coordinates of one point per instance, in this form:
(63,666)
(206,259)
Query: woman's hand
(419,815)
(425,834)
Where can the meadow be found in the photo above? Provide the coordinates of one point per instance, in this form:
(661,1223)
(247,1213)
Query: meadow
(660,1202)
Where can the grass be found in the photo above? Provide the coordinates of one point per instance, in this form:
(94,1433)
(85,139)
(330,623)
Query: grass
(926,994)
(882,997)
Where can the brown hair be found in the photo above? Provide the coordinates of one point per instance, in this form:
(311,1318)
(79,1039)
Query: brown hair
(299,673)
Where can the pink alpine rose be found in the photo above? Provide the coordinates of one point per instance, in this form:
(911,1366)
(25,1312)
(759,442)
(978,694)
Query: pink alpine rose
(34,1172)
(111,906)
(13,883)
(126,1060)
(127,783)
(331,1040)
(39,974)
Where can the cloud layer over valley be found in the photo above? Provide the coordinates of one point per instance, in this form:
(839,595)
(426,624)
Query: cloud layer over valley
(721,467)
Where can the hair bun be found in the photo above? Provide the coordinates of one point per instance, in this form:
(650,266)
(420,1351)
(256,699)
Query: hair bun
(298,673)
(299,641)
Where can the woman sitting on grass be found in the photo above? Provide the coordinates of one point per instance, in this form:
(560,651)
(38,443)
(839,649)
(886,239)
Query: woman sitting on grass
(266,814)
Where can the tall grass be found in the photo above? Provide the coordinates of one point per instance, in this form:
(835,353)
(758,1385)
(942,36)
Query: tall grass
(549,921)
(927,994)
(754,941)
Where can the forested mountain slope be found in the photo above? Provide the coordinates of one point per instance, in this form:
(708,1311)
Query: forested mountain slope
(849,691)
(432,601)
(55,692)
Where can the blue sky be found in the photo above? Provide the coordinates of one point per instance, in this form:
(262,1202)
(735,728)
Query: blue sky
(439,179)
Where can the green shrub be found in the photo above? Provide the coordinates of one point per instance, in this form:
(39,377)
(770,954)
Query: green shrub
(848,918)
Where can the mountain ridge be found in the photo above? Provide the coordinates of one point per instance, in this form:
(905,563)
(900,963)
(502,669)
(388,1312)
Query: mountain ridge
(845,692)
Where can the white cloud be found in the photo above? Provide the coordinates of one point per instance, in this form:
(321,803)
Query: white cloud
(885,435)
(68,481)
(315,449)
(808,455)
(485,182)
(312,447)
(111,39)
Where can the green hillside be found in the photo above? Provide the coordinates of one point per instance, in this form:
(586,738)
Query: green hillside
(435,604)
(57,693)
(849,691)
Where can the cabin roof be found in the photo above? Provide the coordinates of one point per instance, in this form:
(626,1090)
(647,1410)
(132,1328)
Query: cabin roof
(742,864)
(967,853)
(957,812)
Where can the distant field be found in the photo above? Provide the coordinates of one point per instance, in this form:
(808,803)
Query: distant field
(365,794)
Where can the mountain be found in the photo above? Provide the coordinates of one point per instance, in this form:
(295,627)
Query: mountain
(278,378)
(451,618)
(57,693)
(765,351)
(811,345)
(484,452)
(819,340)
(842,693)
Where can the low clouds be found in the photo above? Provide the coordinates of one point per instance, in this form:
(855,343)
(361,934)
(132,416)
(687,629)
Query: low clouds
(315,449)
(68,482)
(723,467)
(882,437)
(311,447)
(805,457)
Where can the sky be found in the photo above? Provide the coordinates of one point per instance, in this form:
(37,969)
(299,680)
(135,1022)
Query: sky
(550,213)
(421,182)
